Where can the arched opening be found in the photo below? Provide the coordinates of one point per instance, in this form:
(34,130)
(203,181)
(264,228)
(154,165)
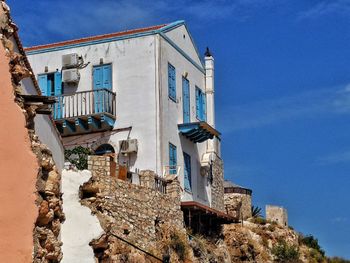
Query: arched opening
(104,149)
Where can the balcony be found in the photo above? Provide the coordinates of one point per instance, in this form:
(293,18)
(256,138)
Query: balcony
(84,112)
(198,132)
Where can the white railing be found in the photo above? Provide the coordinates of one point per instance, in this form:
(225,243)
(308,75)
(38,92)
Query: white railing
(171,170)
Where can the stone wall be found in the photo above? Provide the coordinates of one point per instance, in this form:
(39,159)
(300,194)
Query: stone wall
(133,212)
(31,212)
(238,205)
(99,164)
(277,214)
(217,188)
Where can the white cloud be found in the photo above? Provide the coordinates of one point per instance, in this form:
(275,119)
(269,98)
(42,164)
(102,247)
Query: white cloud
(326,8)
(40,20)
(335,158)
(339,220)
(308,104)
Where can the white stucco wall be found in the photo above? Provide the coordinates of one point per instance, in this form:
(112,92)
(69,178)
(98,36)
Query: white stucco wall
(133,76)
(172,112)
(140,80)
(80,226)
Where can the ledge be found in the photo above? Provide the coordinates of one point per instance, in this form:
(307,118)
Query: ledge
(198,131)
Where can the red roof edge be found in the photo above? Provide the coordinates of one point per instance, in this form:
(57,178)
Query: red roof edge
(93,38)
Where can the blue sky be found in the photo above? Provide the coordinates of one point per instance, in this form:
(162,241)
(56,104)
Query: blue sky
(282,91)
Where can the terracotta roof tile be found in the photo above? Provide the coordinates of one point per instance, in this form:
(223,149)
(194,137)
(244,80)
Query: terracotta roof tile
(94,38)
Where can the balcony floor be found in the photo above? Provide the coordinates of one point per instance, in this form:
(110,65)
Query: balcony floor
(85,124)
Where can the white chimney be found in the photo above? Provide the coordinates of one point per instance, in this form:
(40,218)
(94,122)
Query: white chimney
(209,91)
(209,87)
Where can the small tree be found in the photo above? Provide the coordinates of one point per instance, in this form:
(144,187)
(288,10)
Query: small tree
(256,211)
(78,156)
(311,242)
(285,253)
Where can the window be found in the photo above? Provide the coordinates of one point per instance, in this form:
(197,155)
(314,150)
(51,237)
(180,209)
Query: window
(186,100)
(172,159)
(102,79)
(50,84)
(187,172)
(171,82)
(102,76)
(201,107)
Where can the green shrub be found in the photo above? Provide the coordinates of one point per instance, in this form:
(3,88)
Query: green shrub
(78,156)
(311,242)
(337,260)
(178,245)
(285,253)
(259,220)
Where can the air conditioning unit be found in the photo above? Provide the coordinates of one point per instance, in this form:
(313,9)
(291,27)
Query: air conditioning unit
(70,60)
(70,76)
(128,146)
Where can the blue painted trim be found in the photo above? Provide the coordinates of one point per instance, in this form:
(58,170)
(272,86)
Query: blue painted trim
(195,46)
(94,122)
(70,126)
(160,31)
(106,40)
(108,120)
(88,43)
(81,124)
(172,43)
(171,26)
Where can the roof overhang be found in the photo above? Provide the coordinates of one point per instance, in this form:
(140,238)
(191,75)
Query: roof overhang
(198,131)
(203,209)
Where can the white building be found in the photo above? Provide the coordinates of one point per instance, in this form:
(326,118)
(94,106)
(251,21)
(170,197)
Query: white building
(148,85)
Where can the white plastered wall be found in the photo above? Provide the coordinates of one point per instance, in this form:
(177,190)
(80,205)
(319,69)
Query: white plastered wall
(133,75)
(172,112)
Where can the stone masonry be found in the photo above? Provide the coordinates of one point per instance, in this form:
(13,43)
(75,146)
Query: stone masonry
(217,189)
(133,212)
(238,201)
(99,164)
(277,214)
(48,200)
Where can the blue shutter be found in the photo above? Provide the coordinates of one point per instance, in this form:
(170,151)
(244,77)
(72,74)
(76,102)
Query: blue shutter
(98,78)
(172,159)
(187,172)
(204,105)
(58,83)
(107,76)
(98,95)
(186,100)
(43,84)
(197,103)
(171,82)
(58,91)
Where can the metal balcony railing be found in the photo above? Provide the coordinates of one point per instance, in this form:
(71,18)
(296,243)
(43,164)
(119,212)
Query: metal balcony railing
(84,103)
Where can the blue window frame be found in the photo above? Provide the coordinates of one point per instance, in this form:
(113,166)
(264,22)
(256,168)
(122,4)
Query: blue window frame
(102,75)
(172,159)
(102,79)
(187,172)
(172,82)
(201,105)
(51,85)
(186,100)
